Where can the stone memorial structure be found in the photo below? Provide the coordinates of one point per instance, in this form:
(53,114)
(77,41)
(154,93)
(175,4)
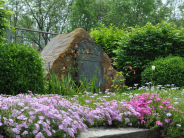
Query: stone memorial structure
(92,65)
(76,50)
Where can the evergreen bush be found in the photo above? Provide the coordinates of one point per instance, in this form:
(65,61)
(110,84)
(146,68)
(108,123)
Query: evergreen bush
(21,70)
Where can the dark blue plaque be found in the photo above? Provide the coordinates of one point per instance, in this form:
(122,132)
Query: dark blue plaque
(89,62)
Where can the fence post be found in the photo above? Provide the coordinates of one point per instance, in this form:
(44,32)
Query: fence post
(21,36)
(9,36)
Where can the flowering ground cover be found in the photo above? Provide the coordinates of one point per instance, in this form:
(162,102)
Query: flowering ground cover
(33,115)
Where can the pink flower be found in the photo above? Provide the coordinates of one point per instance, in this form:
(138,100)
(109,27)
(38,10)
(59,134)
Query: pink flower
(150,101)
(143,122)
(155,113)
(159,123)
(148,112)
(179,111)
(91,100)
(152,107)
(110,122)
(87,101)
(167,120)
(110,67)
(159,98)
(76,46)
(170,107)
(161,106)
(166,102)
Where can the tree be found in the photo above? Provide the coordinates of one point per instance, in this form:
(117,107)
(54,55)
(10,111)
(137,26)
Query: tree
(180,20)
(41,15)
(4,24)
(90,16)
(14,20)
(162,13)
(176,16)
(82,17)
(47,14)
(61,16)
(101,8)
(135,12)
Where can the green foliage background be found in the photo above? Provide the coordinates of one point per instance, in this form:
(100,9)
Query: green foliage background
(108,38)
(145,44)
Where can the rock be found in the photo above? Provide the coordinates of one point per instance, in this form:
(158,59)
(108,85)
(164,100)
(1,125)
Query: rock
(61,53)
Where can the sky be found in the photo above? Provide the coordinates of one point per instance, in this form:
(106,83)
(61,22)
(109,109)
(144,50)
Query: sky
(164,1)
(178,2)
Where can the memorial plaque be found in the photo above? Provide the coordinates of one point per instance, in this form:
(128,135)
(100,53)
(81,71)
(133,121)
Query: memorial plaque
(89,58)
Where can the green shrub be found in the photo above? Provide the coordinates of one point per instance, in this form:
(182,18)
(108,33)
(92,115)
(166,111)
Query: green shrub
(107,38)
(145,44)
(21,70)
(169,70)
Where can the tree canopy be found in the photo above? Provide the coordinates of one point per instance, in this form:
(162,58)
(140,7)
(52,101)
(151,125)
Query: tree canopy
(64,16)
(4,24)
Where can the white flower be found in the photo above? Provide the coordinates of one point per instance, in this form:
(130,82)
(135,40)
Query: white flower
(178,125)
(153,67)
(106,96)
(169,114)
(176,102)
(182,93)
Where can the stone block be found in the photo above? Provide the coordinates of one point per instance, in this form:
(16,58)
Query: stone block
(61,54)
